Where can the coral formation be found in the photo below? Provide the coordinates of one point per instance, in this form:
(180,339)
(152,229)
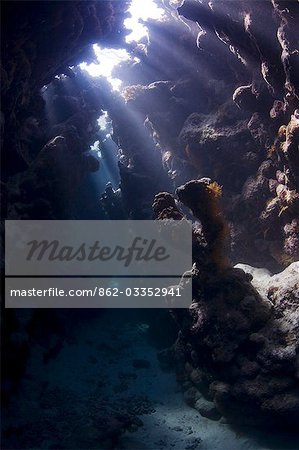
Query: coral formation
(238,342)
(202,197)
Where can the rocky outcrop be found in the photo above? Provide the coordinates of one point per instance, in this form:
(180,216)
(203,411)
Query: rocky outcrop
(238,342)
(174,122)
(271,99)
(35,48)
(46,134)
(223,112)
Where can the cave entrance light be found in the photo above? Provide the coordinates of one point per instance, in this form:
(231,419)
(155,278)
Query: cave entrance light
(141,10)
(106,60)
(109,58)
(105,130)
(107,152)
(104,123)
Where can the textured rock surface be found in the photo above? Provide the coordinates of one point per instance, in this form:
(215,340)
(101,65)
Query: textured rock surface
(238,343)
(175,122)
(215,97)
(238,127)
(32,54)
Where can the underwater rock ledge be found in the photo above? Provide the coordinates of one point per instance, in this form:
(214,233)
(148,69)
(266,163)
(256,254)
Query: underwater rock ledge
(236,354)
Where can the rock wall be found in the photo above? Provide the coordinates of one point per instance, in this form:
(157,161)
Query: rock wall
(45,143)
(41,40)
(237,350)
(228,109)
(222,104)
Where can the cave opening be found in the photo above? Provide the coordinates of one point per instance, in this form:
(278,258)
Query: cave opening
(105,62)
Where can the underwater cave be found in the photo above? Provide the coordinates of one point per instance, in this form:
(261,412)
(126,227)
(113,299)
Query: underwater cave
(154,111)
